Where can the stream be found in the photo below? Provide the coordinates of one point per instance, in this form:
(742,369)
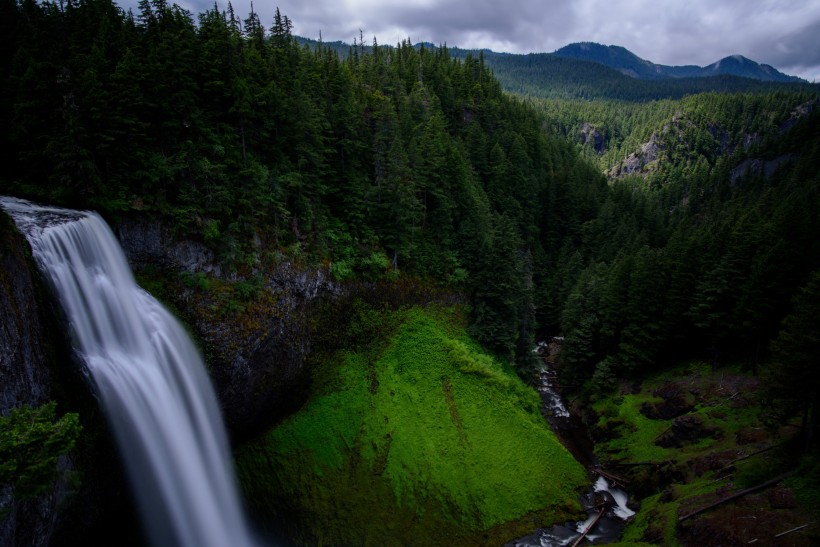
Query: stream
(604,503)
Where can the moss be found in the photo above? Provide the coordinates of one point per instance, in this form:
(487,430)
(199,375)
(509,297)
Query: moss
(449,446)
(703,469)
(636,439)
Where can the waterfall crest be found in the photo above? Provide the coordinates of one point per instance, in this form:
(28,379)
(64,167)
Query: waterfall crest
(149,377)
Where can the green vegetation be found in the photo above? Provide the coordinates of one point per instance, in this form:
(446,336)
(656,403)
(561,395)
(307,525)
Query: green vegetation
(699,435)
(702,253)
(417,431)
(387,161)
(31,442)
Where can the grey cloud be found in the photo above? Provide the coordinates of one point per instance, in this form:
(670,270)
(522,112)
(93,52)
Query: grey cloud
(800,49)
(783,34)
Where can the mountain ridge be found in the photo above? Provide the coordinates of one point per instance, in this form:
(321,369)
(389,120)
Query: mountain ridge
(628,63)
(618,58)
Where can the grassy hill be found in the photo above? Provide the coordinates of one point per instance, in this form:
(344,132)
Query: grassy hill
(415,434)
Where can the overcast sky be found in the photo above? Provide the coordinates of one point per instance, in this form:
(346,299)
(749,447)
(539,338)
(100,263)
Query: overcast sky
(782,33)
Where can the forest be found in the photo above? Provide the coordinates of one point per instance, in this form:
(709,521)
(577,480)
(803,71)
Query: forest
(647,223)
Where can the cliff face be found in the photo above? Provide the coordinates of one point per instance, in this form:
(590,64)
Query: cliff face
(88,500)
(24,377)
(256,353)
(24,374)
(255,345)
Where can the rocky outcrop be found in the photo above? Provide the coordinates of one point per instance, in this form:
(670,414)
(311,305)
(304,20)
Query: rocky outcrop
(760,167)
(257,356)
(146,241)
(24,373)
(25,378)
(590,135)
(638,162)
(801,111)
(256,344)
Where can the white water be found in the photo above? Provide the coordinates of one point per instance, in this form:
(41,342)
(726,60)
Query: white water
(550,397)
(149,376)
(620,509)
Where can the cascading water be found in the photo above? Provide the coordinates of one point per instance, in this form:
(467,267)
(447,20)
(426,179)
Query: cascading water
(605,505)
(149,376)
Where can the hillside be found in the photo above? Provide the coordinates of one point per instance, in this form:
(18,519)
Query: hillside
(630,64)
(550,76)
(412,428)
(591,71)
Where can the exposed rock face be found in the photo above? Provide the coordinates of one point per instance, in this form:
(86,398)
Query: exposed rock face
(799,112)
(24,377)
(638,162)
(149,242)
(256,351)
(759,167)
(24,374)
(590,134)
(258,356)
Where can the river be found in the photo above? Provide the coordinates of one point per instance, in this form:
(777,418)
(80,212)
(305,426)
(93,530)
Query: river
(605,504)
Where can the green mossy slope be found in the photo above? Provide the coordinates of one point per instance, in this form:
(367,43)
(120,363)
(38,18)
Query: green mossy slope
(689,437)
(418,440)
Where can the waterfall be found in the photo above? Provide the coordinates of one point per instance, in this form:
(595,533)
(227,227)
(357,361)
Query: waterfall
(149,377)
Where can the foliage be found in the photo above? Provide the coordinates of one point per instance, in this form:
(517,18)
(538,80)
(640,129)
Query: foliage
(794,381)
(732,451)
(703,254)
(381,161)
(31,442)
(425,436)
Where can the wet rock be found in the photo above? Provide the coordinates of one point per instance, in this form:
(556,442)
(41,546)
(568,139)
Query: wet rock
(255,353)
(25,378)
(24,373)
(36,366)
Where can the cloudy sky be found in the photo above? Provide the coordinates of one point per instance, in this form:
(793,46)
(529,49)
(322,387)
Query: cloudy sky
(782,33)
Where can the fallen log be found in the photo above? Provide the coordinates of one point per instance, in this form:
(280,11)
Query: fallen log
(588,528)
(614,478)
(795,529)
(738,495)
(746,457)
(635,464)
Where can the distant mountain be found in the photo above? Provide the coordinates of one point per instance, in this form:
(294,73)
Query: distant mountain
(547,75)
(626,62)
(738,65)
(550,75)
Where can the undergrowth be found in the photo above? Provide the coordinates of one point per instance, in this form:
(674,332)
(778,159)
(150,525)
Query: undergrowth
(421,439)
(731,451)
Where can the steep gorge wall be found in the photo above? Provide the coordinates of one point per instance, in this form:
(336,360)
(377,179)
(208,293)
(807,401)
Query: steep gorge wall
(24,371)
(25,378)
(256,350)
(256,357)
